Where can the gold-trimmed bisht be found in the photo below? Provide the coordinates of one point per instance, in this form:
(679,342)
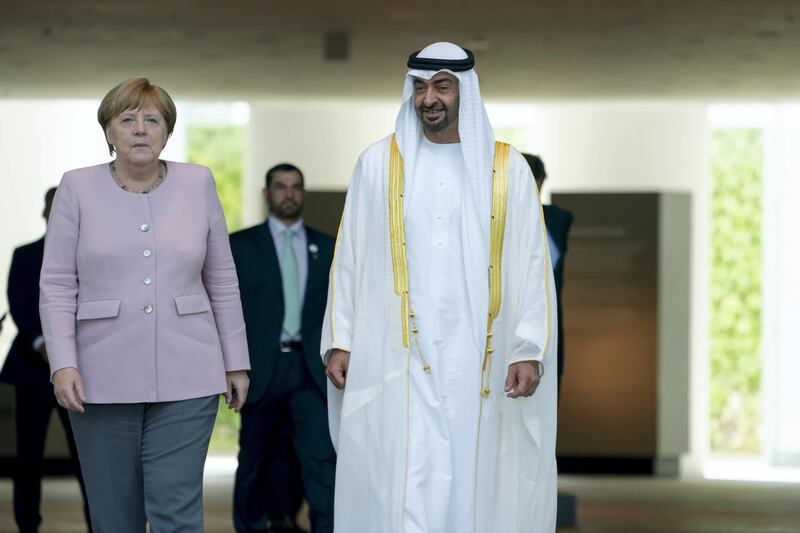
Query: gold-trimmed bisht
(397,235)
(497,231)
(400,259)
(496,237)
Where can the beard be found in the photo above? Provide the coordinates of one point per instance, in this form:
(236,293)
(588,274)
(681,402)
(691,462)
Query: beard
(286,210)
(445,122)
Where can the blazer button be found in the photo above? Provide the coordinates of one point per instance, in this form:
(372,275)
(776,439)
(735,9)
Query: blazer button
(144,227)
(148,309)
(147,280)
(146,252)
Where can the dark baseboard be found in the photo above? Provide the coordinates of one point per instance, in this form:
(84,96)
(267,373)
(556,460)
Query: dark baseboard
(628,466)
(60,467)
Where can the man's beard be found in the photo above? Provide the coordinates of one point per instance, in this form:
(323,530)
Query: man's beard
(286,210)
(439,126)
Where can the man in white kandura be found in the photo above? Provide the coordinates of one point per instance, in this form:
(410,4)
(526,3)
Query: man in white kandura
(441,327)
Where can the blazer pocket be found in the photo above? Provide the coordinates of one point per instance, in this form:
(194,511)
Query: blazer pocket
(98,309)
(191,303)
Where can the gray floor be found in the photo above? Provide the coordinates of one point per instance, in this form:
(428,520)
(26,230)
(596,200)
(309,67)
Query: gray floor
(607,504)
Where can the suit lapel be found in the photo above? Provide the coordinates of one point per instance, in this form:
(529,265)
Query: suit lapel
(554,227)
(315,269)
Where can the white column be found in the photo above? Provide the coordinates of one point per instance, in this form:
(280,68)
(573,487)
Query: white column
(323,138)
(781,287)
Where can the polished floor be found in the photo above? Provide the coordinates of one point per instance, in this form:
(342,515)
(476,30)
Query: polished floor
(605,504)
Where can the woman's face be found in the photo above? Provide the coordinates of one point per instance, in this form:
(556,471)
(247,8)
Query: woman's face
(138,135)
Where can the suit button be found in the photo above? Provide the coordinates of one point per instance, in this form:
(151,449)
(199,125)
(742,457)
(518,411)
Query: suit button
(144,227)
(148,309)
(147,280)
(146,252)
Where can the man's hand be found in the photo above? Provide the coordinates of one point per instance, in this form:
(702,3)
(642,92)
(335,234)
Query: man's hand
(238,385)
(68,388)
(338,363)
(522,379)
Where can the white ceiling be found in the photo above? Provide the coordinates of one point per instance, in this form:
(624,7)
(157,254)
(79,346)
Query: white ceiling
(568,49)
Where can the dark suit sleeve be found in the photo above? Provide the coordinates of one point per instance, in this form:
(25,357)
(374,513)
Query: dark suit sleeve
(23,301)
(569,218)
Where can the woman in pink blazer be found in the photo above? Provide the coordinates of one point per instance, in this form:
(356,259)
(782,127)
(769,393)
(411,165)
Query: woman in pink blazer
(142,318)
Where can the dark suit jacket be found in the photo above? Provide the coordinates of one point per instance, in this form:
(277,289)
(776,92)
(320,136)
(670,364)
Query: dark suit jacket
(558,222)
(24,366)
(262,301)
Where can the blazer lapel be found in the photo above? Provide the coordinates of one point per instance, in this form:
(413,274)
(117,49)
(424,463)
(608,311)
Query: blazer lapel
(314,268)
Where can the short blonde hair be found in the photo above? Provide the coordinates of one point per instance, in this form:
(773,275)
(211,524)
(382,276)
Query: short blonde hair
(136,93)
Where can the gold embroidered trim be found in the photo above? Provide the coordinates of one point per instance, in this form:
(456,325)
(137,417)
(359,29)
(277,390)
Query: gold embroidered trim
(496,235)
(397,235)
(399,257)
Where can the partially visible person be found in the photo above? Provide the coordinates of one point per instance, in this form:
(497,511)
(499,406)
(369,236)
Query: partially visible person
(558,222)
(283,267)
(142,318)
(26,368)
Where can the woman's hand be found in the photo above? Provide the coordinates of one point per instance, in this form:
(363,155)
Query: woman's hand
(238,385)
(68,388)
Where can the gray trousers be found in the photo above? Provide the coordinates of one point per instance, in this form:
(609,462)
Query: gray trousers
(143,463)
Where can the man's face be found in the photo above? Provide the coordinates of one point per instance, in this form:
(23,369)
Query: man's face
(285,194)
(436,101)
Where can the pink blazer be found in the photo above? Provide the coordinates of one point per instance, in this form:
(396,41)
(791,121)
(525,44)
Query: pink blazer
(139,291)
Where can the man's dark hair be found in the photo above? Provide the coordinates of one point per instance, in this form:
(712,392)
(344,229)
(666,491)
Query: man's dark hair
(49,195)
(537,166)
(285,167)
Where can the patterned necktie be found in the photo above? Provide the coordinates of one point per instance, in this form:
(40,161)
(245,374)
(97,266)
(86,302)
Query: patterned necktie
(291,286)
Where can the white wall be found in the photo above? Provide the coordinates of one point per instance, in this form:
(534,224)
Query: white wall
(323,138)
(781,285)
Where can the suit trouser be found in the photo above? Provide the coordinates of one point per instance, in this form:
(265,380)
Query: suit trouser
(143,463)
(291,392)
(285,486)
(34,405)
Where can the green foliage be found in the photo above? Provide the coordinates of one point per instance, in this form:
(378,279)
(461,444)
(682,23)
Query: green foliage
(736,170)
(225,438)
(221,148)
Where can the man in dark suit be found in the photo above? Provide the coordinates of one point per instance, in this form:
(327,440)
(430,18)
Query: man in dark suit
(26,368)
(283,269)
(558,222)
